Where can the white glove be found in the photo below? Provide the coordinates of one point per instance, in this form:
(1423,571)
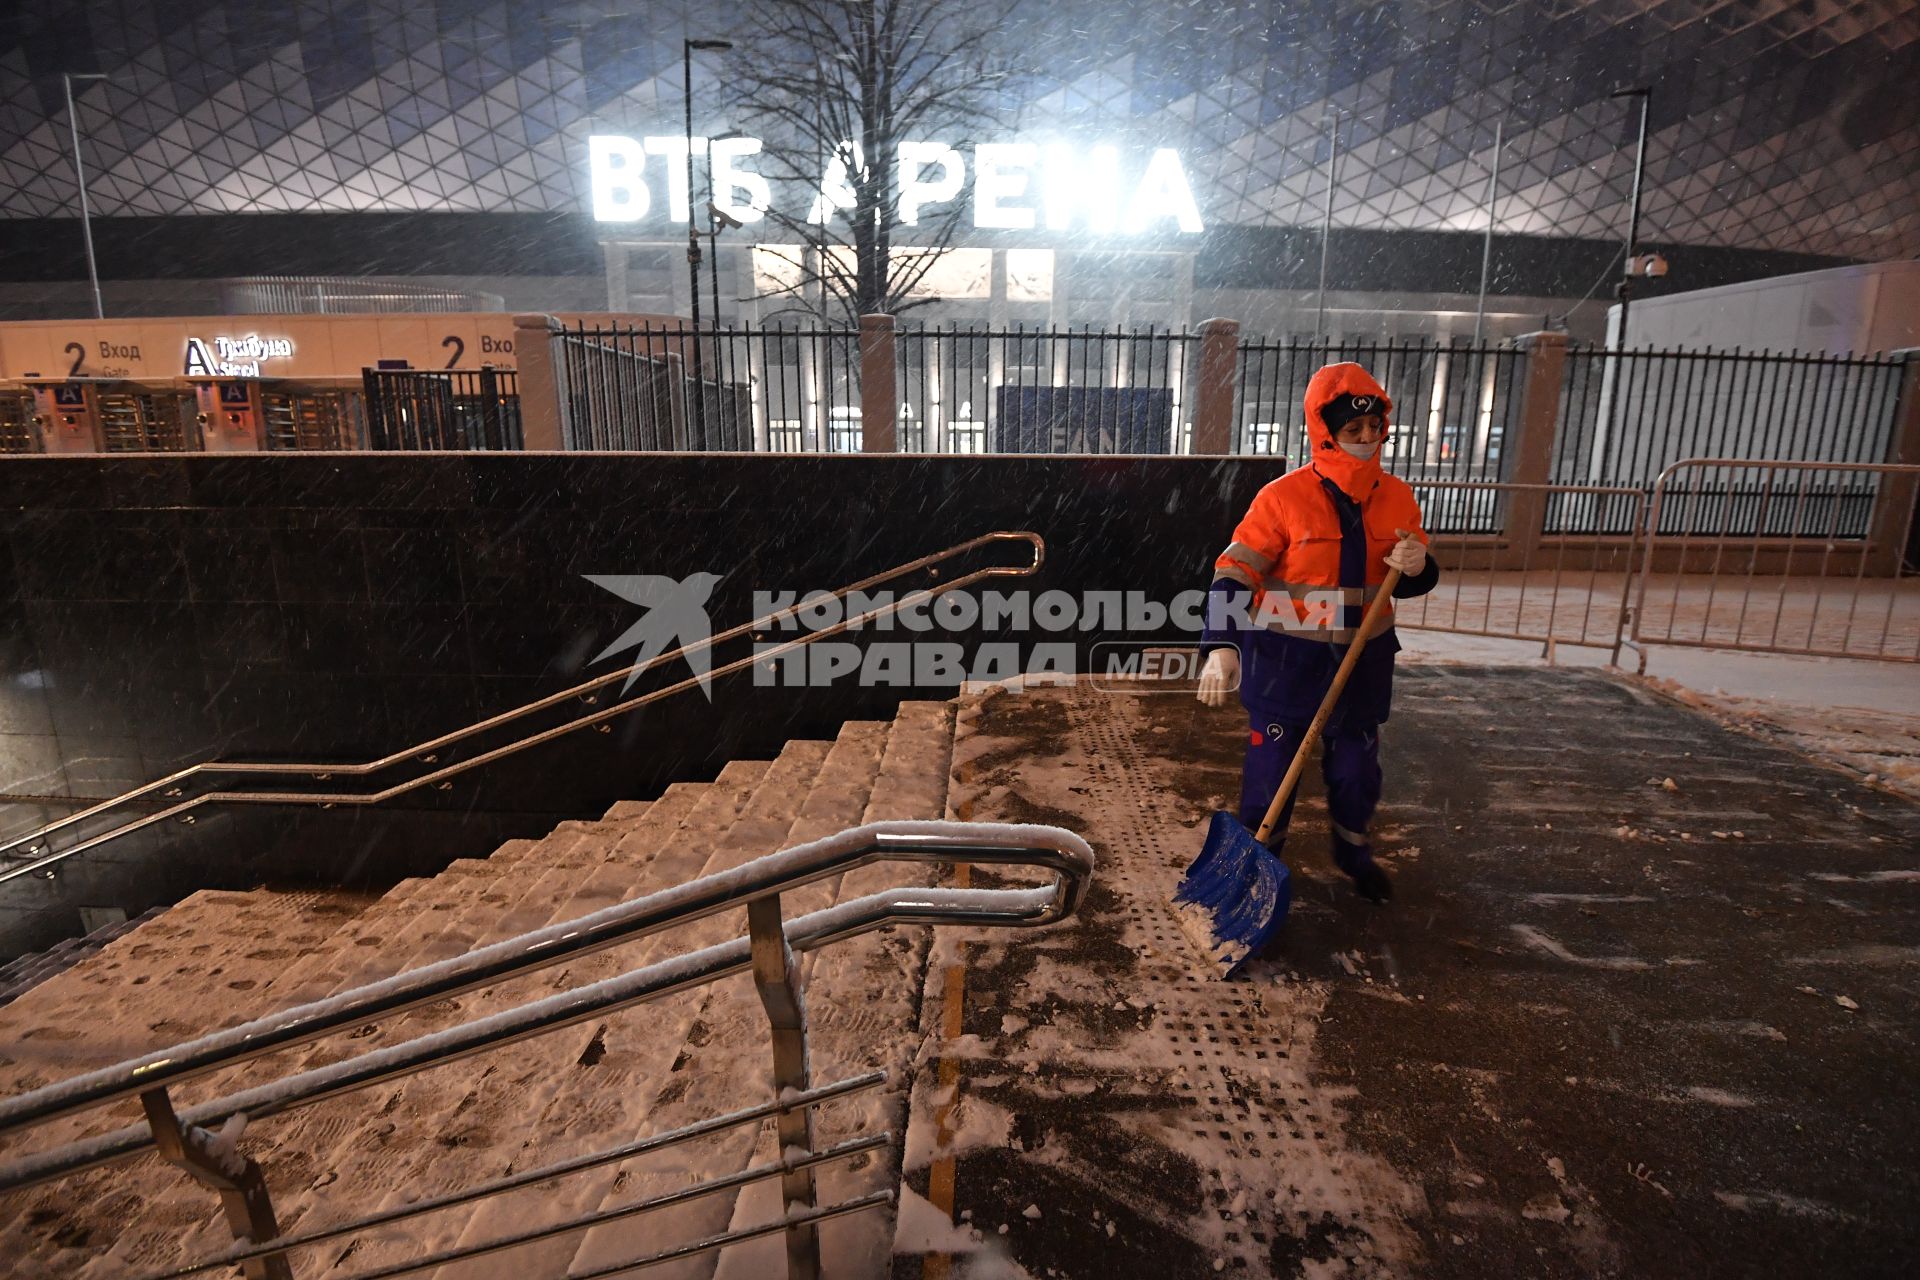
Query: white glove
(1220,676)
(1409,555)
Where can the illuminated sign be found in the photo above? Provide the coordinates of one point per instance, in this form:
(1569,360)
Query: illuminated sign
(1017,186)
(234,357)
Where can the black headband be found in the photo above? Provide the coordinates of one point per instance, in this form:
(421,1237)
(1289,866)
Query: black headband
(1346,406)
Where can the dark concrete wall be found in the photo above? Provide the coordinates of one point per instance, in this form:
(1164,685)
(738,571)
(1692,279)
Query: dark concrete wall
(158,612)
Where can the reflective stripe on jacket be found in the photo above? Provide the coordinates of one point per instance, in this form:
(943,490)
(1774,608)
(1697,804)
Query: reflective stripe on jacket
(1289,541)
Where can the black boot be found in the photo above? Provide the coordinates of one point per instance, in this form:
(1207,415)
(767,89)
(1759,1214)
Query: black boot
(1371,882)
(1357,861)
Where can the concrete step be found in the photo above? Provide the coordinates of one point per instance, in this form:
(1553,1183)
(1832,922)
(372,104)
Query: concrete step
(732,1066)
(177,1004)
(492,1122)
(304,1152)
(161,982)
(413,912)
(863,999)
(670,1063)
(22,974)
(412,930)
(136,983)
(644,1052)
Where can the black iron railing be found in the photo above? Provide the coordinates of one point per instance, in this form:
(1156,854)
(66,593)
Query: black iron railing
(442,408)
(1625,415)
(634,387)
(1456,405)
(1045,390)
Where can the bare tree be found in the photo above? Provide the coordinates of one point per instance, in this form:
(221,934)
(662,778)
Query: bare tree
(835,86)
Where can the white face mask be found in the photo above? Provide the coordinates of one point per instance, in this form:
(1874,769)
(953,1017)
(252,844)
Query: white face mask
(1360,450)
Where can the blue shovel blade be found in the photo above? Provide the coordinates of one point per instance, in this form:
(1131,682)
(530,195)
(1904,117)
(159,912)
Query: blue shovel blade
(1235,895)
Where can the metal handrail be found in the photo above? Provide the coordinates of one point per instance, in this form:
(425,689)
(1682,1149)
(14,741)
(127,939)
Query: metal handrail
(426,752)
(246,1252)
(1053,849)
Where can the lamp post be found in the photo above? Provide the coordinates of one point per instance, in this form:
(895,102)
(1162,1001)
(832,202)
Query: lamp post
(1486,246)
(693,229)
(80,176)
(1624,290)
(1613,389)
(717,219)
(1326,220)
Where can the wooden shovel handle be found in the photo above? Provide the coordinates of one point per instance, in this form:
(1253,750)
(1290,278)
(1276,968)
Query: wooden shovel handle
(1320,717)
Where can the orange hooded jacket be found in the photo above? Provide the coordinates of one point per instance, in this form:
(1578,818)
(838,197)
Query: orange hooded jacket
(1289,540)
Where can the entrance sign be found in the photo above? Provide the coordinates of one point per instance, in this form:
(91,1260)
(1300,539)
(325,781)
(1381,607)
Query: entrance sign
(234,357)
(1017,186)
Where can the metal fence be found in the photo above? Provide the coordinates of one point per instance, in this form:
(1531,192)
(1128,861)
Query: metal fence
(1626,416)
(1045,391)
(442,408)
(1809,592)
(1805,590)
(633,387)
(1561,592)
(1622,416)
(790,390)
(1456,407)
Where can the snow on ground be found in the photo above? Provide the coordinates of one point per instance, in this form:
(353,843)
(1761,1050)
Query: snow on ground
(1612,1024)
(1863,715)
(1101,1113)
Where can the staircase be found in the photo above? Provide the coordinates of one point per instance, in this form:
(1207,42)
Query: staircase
(27,972)
(217,960)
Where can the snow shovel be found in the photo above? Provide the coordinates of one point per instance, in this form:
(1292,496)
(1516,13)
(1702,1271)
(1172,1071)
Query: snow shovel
(1234,897)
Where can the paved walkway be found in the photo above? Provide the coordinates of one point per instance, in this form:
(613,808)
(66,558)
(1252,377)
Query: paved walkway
(1608,1027)
(1863,715)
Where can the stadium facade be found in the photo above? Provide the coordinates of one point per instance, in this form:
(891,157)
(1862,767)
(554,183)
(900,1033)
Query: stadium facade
(450,146)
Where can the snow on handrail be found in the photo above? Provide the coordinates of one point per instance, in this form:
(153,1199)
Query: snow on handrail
(1047,848)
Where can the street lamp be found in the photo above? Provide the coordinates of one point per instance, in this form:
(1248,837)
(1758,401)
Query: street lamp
(693,227)
(717,218)
(1623,290)
(1332,121)
(1613,388)
(1486,246)
(80,176)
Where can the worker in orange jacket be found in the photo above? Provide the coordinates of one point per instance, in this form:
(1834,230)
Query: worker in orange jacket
(1287,598)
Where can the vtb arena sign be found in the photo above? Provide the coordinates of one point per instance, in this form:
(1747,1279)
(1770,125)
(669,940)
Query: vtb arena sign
(1017,186)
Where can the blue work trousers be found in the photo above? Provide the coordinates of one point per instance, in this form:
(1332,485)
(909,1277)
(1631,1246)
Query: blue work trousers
(1350,765)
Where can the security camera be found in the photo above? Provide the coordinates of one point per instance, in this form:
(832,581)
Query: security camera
(721,216)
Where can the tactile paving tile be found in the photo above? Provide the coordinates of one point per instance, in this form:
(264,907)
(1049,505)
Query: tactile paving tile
(1231,1061)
